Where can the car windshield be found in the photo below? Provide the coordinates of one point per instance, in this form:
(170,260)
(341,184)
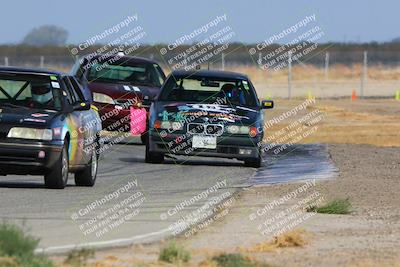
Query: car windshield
(135,74)
(206,90)
(30,91)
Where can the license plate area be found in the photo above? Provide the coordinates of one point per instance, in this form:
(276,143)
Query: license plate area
(204,141)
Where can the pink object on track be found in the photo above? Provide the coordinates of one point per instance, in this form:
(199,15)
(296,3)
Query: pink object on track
(138,121)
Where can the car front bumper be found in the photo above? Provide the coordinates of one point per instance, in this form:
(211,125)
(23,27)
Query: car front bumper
(227,146)
(28,156)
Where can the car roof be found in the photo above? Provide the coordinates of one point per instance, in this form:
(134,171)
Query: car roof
(30,71)
(209,74)
(126,58)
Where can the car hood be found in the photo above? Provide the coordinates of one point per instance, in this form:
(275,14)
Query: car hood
(198,112)
(117,90)
(25,117)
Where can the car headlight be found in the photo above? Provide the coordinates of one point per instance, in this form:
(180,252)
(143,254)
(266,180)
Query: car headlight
(103,98)
(235,129)
(244,129)
(30,133)
(232,129)
(168,125)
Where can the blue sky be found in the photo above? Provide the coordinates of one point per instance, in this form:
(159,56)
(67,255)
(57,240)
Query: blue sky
(164,21)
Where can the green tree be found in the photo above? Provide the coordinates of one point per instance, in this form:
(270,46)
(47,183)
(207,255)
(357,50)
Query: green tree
(46,35)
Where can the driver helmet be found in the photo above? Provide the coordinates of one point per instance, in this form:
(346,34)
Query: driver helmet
(41,93)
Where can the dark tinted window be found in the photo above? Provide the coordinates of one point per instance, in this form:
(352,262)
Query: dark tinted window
(209,90)
(126,72)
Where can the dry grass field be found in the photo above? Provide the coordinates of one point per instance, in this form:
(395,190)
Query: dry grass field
(374,121)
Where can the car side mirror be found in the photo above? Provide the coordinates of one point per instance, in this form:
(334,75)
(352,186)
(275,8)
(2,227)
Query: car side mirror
(82,106)
(267,104)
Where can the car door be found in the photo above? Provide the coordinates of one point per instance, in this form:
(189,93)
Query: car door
(88,118)
(75,126)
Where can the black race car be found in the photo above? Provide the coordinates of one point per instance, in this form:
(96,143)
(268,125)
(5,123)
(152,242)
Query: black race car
(47,127)
(207,113)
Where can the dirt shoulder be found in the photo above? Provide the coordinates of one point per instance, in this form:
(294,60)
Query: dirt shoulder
(370,234)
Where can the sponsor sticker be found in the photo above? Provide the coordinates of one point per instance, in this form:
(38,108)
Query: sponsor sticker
(53,78)
(39,115)
(127,88)
(55,84)
(136,89)
(34,120)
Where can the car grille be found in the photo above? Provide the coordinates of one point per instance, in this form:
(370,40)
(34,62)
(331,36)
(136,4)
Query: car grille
(195,128)
(207,129)
(3,136)
(4,128)
(214,129)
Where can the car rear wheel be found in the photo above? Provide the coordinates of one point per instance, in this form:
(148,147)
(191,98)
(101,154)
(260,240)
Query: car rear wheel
(57,177)
(152,157)
(87,176)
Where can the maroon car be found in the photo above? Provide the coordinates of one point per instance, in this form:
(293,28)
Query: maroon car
(119,82)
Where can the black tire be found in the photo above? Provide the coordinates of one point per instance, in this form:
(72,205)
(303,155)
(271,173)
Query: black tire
(254,162)
(87,176)
(152,157)
(143,138)
(57,177)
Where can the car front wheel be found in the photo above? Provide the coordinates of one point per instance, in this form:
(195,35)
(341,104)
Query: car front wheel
(57,177)
(152,157)
(254,162)
(143,138)
(87,176)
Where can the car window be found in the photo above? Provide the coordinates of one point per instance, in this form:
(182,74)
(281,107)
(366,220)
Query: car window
(159,73)
(83,95)
(209,90)
(33,91)
(68,95)
(133,73)
(74,96)
(78,68)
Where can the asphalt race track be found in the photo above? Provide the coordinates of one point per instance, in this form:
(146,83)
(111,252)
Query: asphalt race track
(60,217)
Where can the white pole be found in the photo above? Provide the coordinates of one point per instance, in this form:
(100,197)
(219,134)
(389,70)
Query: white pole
(223,60)
(41,62)
(290,75)
(364,73)
(6,61)
(326,65)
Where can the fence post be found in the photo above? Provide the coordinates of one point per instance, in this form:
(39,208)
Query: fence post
(223,60)
(41,62)
(364,74)
(326,65)
(6,61)
(290,75)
